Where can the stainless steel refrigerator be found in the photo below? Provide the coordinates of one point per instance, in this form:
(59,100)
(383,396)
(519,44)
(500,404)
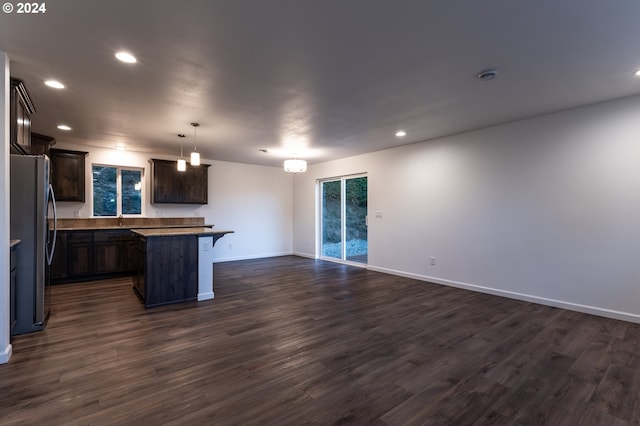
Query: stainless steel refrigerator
(32,204)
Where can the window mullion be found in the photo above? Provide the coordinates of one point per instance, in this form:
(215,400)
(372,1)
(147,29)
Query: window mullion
(118,191)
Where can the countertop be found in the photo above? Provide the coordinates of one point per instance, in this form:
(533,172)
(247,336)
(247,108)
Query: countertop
(125,227)
(166,231)
(126,223)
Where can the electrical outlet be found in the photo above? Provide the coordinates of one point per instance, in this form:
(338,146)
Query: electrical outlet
(432,261)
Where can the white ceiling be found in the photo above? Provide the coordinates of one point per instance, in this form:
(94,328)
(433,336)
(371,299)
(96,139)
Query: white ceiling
(320,79)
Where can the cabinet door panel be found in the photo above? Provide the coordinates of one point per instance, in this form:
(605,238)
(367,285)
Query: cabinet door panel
(108,257)
(167,184)
(68,174)
(195,185)
(58,268)
(80,254)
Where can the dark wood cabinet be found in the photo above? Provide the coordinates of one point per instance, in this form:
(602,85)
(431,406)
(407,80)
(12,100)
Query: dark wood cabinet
(68,174)
(41,144)
(139,245)
(12,287)
(168,269)
(112,251)
(79,254)
(92,254)
(168,185)
(20,110)
(58,269)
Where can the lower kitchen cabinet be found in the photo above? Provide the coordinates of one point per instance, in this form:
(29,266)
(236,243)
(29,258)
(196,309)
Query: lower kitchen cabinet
(92,254)
(112,252)
(79,254)
(58,269)
(12,290)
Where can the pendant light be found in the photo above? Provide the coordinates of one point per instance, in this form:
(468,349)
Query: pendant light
(195,155)
(182,164)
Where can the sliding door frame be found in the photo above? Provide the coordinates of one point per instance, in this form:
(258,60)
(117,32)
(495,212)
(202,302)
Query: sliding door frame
(343,205)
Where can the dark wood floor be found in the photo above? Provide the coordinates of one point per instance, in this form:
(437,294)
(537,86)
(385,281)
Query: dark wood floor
(292,341)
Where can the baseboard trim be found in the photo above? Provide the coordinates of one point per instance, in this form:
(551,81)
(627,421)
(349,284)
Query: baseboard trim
(307,255)
(593,310)
(255,256)
(205,296)
(5,355)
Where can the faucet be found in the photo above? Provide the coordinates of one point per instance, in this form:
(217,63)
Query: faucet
(120,220)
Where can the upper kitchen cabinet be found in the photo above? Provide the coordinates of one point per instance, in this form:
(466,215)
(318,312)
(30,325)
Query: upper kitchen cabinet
(68,174)
(171,186)
(41,144)
(21,108)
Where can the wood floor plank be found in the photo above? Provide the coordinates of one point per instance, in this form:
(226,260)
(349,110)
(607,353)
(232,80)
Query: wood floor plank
(295,341)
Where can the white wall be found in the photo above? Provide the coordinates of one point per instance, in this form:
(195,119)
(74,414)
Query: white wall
(253,201)
(5,321)
(545,209)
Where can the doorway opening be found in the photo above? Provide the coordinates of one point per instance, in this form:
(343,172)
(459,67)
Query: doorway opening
(343,219)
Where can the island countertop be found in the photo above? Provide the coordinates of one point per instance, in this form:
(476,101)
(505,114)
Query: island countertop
(166,232)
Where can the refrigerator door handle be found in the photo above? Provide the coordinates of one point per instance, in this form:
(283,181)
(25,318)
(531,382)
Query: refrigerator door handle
(55,226)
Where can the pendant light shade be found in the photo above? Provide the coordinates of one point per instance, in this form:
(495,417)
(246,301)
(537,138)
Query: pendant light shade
(195,158)
(295,166)
(195,155)
(182,164)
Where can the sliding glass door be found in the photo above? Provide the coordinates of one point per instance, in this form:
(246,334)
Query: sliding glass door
(343,215)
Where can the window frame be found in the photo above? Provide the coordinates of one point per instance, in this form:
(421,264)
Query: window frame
(119,170)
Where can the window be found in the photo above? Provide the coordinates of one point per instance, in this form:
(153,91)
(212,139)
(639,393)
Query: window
(117,191)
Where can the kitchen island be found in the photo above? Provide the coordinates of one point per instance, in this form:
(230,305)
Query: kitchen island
(174,264)
(98,248)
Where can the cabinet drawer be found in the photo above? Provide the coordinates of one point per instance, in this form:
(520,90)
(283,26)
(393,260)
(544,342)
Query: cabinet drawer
(80,237)
(112,236)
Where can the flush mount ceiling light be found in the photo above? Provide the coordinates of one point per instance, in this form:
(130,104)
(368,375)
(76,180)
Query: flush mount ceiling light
(54,84)
(195,155)
(126,57)
(182,164)
(295,166)
(64,127)
(487,75)
(401,133)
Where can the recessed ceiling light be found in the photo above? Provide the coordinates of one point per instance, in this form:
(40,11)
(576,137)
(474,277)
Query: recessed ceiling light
(55,84)
(64,127)
(637,73)
(401,133)
(126,57)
